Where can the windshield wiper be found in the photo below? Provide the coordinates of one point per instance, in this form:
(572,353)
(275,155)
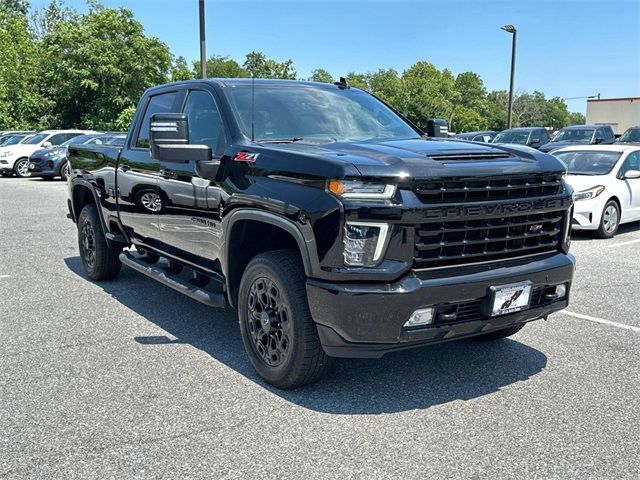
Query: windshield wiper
(281,140)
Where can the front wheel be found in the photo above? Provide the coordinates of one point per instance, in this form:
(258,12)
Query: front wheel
(65,170)
(278,332)
(21,168)
(99,259)
(610,220)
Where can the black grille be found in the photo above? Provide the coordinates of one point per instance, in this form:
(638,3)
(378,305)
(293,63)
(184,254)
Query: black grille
(456,242)
(488,188)
(473,309)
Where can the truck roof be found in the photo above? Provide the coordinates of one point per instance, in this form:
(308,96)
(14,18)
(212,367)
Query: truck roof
(233,82)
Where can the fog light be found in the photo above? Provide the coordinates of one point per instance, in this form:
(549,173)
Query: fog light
(561,290)
(420,318)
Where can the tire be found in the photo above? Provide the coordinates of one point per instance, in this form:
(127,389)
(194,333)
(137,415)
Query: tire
(149,201)
(276,280)
(100,261)
(610,220)
(64,171)
(21,168)
(503,333)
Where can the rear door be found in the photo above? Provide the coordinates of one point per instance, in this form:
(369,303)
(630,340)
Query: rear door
(190,223)
(631,187)
(139,203)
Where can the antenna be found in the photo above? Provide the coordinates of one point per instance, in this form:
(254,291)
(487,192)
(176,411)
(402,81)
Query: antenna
(253,108)
(342,84)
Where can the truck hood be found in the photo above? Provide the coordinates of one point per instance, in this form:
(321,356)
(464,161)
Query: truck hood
(548,147)
(429,158)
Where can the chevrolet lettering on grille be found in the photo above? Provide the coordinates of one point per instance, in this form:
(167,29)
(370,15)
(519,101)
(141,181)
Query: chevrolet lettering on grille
(501,209)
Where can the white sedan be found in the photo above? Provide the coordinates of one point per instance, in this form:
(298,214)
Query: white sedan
(606,183)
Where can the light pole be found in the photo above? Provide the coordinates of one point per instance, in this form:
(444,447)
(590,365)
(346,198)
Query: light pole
(203,52)
(512,30)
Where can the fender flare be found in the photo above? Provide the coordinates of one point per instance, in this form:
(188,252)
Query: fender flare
(306,243)
(96,199)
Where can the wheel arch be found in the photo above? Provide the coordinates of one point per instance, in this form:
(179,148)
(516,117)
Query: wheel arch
(83,193)
(249,232)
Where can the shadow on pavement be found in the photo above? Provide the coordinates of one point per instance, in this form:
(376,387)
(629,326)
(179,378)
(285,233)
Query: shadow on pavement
(587,235)
(413,379)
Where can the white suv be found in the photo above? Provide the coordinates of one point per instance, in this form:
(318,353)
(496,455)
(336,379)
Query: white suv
(15,158)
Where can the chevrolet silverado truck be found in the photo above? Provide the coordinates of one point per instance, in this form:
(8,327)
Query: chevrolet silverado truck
(327,219)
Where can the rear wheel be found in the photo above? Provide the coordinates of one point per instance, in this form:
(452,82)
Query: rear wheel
(99,259)
(610,220)
(21,168)
(277,329)
(503,333)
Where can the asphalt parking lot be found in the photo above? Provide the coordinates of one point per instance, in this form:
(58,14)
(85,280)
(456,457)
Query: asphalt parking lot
(129,379)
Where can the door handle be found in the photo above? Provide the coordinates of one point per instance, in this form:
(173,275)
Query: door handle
(124,167)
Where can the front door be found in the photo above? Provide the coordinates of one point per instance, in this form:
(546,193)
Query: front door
(190,222)
(139,203)
(631,187)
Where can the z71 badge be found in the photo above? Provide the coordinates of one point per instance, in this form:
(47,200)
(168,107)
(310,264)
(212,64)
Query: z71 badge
(246,157)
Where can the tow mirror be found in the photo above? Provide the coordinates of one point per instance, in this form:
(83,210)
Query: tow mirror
(169,140)
(630,174)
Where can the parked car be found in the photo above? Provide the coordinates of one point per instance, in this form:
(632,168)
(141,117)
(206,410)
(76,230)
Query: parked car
(14,159)
(326,218)
(606,183)
(631,135)
(532,137)
(580,135)
(485,136)
(51,162)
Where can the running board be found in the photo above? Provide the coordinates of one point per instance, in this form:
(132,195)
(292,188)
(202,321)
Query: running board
(211,299)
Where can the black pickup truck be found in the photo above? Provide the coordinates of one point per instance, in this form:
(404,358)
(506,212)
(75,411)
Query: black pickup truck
(329,221)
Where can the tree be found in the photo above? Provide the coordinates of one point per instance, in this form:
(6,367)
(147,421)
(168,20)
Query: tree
(321,75)
(44,20)
(180,70)
(218,66)
(385,84)
(98,64)
(261,67)
(576,118)
(123,122)
(20,103)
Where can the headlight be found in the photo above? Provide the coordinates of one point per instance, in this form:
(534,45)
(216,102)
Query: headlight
(361,190)
(7,153)
(364,243)
(588,194)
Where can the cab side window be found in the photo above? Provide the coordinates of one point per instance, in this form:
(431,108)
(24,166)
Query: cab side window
(58,139)
(205,122)
(632,162)
(163,103)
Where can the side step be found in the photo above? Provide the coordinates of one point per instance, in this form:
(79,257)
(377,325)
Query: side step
(211,299)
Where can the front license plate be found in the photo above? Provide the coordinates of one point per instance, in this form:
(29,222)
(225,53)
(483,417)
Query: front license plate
(510,298)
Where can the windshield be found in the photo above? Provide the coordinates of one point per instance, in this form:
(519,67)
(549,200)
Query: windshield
(36,139)
(574,135)
(511,137)
(631,135)
(13,140)
(116,141)
(79,140)
(588,163)
(296,112)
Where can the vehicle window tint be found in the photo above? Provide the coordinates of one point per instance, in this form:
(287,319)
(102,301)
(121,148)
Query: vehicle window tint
(163,103)
(205,123)
(609,134)
(58,139)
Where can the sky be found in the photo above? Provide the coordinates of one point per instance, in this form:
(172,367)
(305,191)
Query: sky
(570,48)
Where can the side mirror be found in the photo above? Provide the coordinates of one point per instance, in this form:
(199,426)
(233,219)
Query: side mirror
(533,141)
(169,140)
(631,174)
(598,140)
(47,144)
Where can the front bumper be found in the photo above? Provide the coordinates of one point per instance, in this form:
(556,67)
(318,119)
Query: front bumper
(588,213)
(366,320)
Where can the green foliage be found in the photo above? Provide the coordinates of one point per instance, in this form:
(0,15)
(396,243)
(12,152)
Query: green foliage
(180,70)
(123,122)
(577,118)
(321,75)
(220,67)
(262,67)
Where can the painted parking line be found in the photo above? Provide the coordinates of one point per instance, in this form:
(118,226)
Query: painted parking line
(5,276)
(623,243)
(602,321)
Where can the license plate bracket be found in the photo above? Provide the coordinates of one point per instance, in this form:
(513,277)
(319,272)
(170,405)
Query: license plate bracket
(510,298)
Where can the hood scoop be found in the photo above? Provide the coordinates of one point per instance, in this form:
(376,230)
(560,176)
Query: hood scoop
(472,156)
